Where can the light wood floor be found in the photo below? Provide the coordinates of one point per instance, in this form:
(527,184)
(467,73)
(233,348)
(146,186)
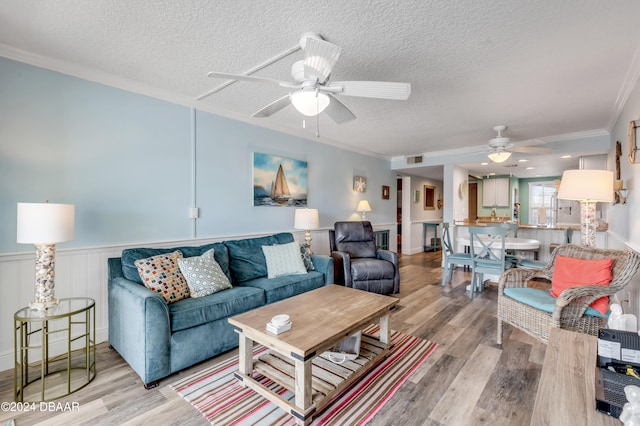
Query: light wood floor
(467,380)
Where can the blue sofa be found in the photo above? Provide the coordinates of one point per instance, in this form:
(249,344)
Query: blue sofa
(158,339)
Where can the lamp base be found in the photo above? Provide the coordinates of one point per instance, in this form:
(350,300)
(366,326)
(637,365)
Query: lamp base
(307,239)
(588,223)
(45,272)
(41,306)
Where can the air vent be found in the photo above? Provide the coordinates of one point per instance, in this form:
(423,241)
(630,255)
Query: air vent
(511,165)
(414,159)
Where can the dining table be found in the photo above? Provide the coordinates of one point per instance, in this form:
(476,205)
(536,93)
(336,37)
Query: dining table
(510,243)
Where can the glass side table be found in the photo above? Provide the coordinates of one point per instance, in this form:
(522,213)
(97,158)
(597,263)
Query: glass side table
(69,328)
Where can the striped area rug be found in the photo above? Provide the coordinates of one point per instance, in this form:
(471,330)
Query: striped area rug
(219,397)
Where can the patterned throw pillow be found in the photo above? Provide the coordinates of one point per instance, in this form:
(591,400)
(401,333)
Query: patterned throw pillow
(306,257)
(203,274)
(162,274)
(283,259)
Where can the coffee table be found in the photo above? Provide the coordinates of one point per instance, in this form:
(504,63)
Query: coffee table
(320,318)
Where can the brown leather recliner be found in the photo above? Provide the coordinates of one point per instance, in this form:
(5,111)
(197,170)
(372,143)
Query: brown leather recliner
(357,262)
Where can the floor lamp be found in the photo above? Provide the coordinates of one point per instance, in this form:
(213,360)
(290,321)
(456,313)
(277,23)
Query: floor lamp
(588,187)
(45,224)
(306,219)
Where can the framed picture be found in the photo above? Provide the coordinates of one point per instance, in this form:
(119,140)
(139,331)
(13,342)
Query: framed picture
(279,181)
(429,197)
(360,184)
(385,192)
(416,196)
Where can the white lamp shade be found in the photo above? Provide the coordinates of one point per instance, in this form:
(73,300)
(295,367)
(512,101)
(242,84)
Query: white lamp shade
(309,103)
(306,219)
(499,156)
(363,206)
(45,223)
(587,185)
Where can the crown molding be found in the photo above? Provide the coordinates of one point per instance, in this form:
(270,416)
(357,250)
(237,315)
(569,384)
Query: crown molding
(576,135)
(629,83)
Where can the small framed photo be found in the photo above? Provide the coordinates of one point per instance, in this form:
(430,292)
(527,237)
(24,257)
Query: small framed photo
(385,192)
(416,196)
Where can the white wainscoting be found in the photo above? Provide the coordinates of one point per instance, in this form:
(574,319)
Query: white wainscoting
(629,298)
(84,273)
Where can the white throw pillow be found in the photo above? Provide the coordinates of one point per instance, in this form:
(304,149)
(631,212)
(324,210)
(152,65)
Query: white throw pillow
(203,274)
(283,259)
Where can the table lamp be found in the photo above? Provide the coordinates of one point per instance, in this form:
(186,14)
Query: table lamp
(363,206)
(45,224)
(306,219)
(588,187)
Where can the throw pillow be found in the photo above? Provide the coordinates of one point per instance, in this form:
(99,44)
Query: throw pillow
(283,259)
(203,274)
(306,257)
(161,274)
(570,272)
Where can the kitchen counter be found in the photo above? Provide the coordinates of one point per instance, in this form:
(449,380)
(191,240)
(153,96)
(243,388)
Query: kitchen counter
(557,227)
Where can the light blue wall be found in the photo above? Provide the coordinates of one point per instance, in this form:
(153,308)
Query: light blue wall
(125,160)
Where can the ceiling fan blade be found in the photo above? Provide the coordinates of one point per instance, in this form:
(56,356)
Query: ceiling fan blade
(244,77)
(338,112)
(319,58)
(375,89)
(273,107)
(531,149)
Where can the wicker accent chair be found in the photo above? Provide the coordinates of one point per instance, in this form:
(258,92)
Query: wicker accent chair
(570,306)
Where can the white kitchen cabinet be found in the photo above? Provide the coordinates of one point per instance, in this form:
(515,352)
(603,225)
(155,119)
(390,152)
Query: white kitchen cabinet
(495,192)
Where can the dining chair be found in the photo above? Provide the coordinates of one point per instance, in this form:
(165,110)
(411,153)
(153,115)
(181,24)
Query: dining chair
(534,264)
(450,257)
(512,231)
(487,246)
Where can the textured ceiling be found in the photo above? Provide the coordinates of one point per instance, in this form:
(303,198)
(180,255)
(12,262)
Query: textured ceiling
(544,68)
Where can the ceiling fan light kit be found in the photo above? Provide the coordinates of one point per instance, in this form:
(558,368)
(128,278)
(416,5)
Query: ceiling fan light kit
(309,102)
(312,92)
(499,156)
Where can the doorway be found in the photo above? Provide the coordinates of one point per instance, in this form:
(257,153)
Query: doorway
(399,212)
(473,200)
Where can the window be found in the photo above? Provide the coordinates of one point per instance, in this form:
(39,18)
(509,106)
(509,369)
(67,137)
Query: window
(542,195)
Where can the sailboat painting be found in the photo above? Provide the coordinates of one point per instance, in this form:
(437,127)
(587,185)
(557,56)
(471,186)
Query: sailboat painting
(278,181)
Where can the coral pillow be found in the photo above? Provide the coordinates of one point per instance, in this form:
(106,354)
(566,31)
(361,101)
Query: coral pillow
(571,272)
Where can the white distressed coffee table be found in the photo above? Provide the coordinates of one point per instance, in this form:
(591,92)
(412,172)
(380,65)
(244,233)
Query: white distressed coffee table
(320,319)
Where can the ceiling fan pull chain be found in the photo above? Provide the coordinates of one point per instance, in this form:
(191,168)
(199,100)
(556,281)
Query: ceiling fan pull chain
(317,115)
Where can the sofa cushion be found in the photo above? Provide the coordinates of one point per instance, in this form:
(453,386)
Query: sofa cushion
(283,259)
(129,256)
(541,300)
(246,260)
(192,312)
(365,269)
(161,274)
(282,287)
(305,251)
(203,274)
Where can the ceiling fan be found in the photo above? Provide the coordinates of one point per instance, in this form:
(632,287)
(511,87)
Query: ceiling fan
(500,147)
(312,93)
